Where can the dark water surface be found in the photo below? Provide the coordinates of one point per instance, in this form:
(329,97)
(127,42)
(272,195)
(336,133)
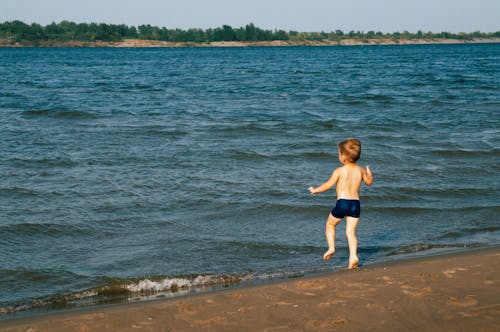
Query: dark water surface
(142,172)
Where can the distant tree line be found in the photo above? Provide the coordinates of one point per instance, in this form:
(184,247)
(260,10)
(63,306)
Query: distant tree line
(18,31)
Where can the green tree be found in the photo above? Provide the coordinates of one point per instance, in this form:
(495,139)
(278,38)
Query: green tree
(228,33)
(218,34)
(281,35)
(240,34)
(145,31)
(250,32)
(34,32)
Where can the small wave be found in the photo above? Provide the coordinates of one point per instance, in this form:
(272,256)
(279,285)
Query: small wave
(35,112)
(467,232)
(328,125)
(37,275)
(488,87)
(273,208)
(432,209)
(437,102)
(348,101)
(312,72)
(9,94)
(57,275)
(379,98)
(253,155)
(145,87)
(165,132)
(18,191)
(43,229)
(119,290)
(26,192)
(465,79)
(59,113)
(403,194)
(246,129)
(418,247)
(174,284)
(264,249)
(47,162)
(466,153)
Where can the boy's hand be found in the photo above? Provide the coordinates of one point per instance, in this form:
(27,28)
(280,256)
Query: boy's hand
(368,176)
(312,191)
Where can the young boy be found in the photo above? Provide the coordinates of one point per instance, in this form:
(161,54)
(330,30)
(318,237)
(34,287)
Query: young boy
(348,179)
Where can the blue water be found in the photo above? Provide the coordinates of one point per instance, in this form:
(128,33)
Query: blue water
(143,172)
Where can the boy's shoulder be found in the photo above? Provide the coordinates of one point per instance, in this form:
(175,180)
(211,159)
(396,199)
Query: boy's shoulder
(349,170)
(350,167)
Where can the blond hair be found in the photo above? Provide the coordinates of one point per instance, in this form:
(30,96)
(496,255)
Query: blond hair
(351,149)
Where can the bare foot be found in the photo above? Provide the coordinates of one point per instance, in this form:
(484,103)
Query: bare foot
(353,264)
(327,255)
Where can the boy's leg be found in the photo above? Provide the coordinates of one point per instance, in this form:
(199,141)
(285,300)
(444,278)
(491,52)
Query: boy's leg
(331,222)
(350,232)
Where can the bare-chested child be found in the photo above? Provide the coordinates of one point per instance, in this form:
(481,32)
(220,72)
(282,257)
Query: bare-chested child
(348,179)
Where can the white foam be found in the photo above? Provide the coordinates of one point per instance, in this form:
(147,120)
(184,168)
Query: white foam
(170,283)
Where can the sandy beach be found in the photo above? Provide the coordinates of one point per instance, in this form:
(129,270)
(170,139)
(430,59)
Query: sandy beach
(449,292)
(274,43)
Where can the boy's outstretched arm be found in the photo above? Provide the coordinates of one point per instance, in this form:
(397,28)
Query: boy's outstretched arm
(327,185)
(367,176)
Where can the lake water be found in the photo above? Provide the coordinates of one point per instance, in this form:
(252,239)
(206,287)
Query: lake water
(137,173)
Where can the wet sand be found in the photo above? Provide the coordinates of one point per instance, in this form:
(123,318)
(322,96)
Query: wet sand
(451,292)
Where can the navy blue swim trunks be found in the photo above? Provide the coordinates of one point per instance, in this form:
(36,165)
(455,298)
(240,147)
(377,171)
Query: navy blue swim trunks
(347,207)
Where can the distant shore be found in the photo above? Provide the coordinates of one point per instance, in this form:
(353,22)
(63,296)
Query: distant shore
(282,43)
(440,293)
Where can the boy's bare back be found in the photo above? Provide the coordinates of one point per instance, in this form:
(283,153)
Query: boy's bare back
(348,180)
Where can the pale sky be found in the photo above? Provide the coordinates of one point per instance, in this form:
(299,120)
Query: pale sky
(299,15)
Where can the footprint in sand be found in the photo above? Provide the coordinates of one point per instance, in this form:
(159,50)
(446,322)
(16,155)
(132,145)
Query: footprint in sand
(236,295)
(243,310)
(331,303)
(325,323)
(284,303)
(388,280)
(210,321)
(311,285)
(415,292)
(430,276)
(283,328)
(374,306)
(467,301)
(186,308)
(345,294)
(450,273)
(269,296)
(145,324)
(359,285)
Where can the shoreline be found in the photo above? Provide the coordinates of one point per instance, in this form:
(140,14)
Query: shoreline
(139,43)
(444,291)
(120,294)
